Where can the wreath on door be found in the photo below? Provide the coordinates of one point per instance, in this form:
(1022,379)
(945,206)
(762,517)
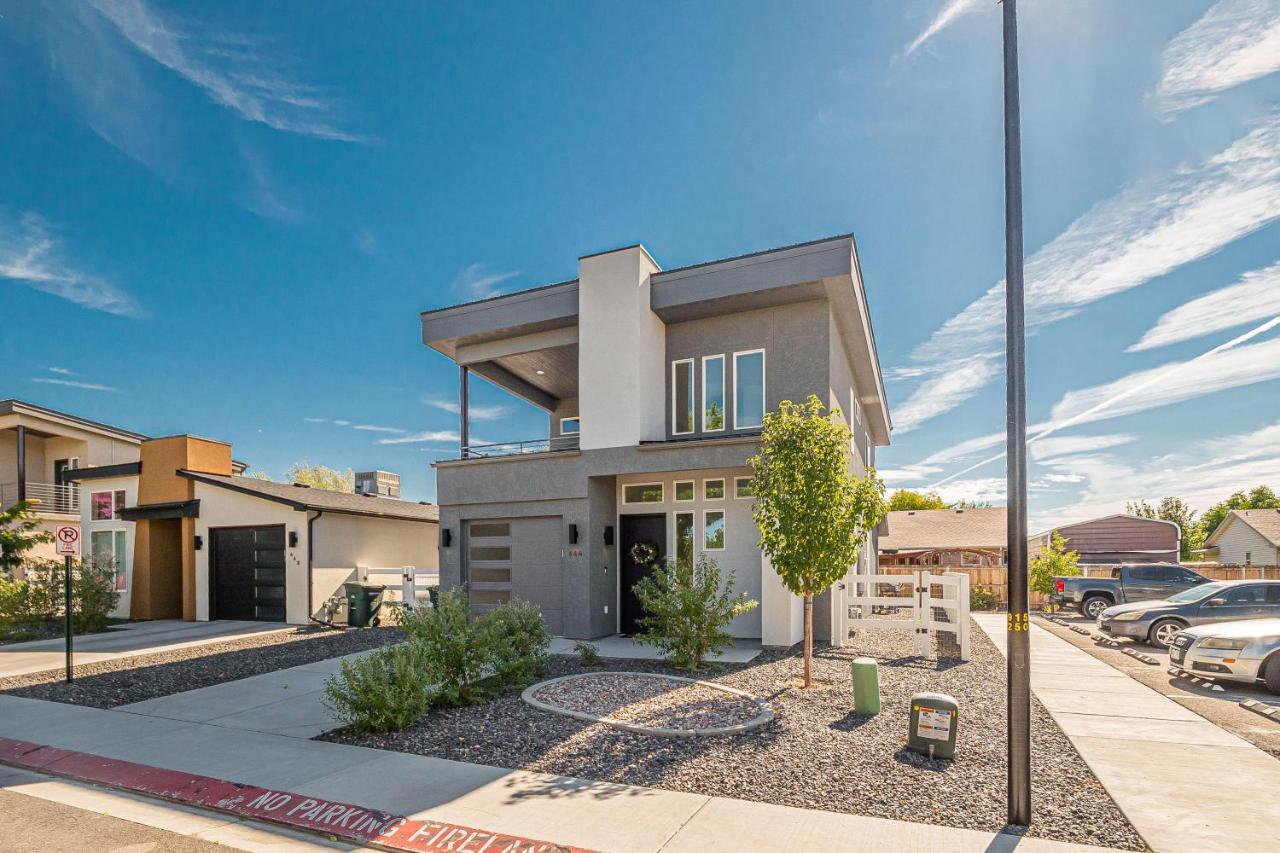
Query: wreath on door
(644,552)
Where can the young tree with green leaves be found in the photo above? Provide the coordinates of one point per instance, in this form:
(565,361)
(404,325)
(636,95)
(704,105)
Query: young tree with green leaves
(813,513)
(320,477)
(19,533)
(910,499)
(1175,510)
(1053,561)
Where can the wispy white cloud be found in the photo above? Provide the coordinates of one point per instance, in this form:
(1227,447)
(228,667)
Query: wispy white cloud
(342,423)
(375,428)
(479,282)
(977,490)
(315,420)
(947,15)
(1053,448)
(1256,297)
(1234,42)
(73,383)
(1144,232)
(31,255)
(423,437)
(1239,447)
(1173,382)
(232,70)
(476,411)
(65,371)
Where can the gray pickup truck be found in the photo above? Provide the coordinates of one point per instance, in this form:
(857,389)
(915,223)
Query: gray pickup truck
(1130,582)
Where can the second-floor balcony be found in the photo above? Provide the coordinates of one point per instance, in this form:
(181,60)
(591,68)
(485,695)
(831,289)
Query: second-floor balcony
(44,497)
(517,448)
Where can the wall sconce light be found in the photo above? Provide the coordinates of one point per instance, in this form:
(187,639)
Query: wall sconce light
(293,539)
(199,543)
(608,534)
(573,534)
(446,537)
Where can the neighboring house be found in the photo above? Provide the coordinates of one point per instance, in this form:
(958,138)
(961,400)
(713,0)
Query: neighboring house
(1247,537)
(38,446)
(1117,538)
(950,538)
(191,539)
(656,384)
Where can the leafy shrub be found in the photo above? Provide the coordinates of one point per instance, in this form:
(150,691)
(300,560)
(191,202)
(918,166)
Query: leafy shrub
(1054,560)
(981,598)
(688,606)
(588,654)
(382,691)
(39,596)
(457,650)
(517,639)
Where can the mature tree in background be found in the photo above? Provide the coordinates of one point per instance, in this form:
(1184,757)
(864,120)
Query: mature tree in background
(320,477)
(909,499)
(1261,497)
(1175,510)
(1053,561)
(965,503)
(259,475)
(19,533)
(813,513)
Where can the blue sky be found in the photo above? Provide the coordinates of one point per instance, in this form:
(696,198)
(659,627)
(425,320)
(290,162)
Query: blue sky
(225,218)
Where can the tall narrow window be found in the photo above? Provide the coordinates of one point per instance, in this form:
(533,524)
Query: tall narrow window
(748,389)
(713,393)
(682,397)
(713,530)
(684,536)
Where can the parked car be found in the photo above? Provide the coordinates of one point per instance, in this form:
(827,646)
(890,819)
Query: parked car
(1130,582)
(1245,651)
(1159,621)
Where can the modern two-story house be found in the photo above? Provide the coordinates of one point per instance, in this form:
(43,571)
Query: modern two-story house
(655,383)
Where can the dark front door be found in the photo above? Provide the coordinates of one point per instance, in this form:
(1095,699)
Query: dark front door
(643,545)
(247,573)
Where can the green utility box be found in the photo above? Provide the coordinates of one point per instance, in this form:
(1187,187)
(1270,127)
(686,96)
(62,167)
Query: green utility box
(364,600)
(934,720)
(866,686)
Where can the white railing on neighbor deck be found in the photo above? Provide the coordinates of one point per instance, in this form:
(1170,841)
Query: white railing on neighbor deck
(47,497)
(517,448)
(406,584)
(906,603)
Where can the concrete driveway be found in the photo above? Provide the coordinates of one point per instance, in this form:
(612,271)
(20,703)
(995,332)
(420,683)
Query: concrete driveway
(135,638)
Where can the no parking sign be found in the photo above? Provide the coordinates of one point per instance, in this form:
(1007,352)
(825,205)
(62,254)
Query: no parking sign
(68,539)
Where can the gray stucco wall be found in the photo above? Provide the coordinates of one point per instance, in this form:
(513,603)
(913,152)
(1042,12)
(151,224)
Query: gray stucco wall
(794,338)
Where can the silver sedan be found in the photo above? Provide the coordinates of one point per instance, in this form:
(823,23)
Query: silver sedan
(1245,651)
(1158,622)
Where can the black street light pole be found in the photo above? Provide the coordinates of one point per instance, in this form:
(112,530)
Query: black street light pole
(1019,645)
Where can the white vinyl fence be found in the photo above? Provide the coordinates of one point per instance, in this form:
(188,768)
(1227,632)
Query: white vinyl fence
(904,602)
(406,584)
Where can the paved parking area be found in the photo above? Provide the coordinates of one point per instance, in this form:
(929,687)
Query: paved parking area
(1183,782)
(133,638)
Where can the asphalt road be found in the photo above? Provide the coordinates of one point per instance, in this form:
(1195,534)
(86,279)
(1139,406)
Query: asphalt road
(33,825)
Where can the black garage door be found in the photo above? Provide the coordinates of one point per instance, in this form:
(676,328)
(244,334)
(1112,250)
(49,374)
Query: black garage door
(247,573)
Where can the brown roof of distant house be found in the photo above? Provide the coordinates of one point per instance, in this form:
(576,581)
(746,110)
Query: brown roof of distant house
(919,529)
(305,497)
(1265,521)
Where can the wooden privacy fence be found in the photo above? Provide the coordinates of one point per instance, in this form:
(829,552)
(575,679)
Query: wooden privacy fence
(996,580)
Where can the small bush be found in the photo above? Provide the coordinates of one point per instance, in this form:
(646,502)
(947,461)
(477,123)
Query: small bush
(40,597)
(688,606)
(981,598)
(382,691)
(458,651)
(588,654)
(517,638)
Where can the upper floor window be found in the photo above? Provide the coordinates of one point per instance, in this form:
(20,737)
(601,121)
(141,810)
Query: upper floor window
(105,506)
(713,393)
(682,396)
(642,493)
(569,426)
(748,389)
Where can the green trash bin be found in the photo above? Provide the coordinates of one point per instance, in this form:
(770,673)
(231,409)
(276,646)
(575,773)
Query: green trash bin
(866,686)
(364,600)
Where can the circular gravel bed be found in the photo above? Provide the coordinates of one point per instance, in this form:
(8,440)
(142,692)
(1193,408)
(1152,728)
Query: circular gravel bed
(651,704)
(110,683)
(816,753)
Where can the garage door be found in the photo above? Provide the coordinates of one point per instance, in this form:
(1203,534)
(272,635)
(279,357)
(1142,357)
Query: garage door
(516,558)
(247,573)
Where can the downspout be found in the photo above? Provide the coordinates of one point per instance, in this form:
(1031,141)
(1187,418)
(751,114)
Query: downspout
(311,550)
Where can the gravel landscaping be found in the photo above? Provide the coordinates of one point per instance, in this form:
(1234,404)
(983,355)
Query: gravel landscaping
(118,682)
(644,699)
(816,753)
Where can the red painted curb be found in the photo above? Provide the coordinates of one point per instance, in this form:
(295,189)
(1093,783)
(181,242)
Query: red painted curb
(327,817)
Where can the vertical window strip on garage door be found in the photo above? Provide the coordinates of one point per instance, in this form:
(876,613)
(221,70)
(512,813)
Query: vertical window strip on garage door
(489,563)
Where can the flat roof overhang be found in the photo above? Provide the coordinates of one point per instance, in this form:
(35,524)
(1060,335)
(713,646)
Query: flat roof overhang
(150,512)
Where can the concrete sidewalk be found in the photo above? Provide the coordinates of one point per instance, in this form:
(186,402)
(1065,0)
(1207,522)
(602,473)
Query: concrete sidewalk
(594,815)
(129,640)
(1183,783)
